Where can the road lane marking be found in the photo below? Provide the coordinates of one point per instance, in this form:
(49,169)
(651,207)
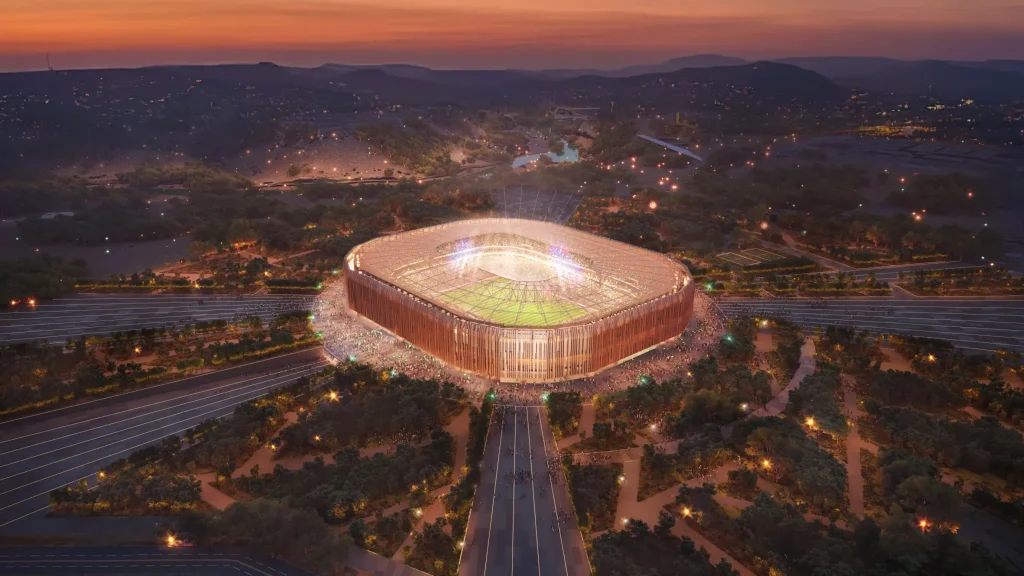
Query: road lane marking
(494,495)
(554,508)
(274,376)
(146,388)
(533,490)
(259,392)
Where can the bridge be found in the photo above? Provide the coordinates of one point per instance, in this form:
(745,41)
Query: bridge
(671,147)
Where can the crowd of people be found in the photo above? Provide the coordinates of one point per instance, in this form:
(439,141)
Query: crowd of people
(348,338)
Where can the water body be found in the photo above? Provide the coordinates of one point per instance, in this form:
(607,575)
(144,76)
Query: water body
(103,260)
(567,155)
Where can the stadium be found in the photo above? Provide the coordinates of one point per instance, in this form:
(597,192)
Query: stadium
(519,300)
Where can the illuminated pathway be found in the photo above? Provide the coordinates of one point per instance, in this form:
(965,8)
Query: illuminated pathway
(972,324)
(53,449)
(510,527)
(100,314)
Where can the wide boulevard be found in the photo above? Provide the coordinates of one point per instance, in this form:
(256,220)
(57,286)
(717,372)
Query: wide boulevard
(53,449)
(102,314)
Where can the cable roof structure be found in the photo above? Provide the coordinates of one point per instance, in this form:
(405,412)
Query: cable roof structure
(519,272)
(534,203)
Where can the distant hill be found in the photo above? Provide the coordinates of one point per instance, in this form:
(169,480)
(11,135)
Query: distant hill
(1015,66)
(942,80)
(841,66)
(695,61)
(757,84)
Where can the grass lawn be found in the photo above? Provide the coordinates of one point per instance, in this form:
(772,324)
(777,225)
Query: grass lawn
(496,300)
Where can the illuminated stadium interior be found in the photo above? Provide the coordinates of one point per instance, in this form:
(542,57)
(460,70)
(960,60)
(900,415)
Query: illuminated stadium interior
(519,272)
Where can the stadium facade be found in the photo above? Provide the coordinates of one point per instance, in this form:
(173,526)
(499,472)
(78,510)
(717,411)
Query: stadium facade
(519,300)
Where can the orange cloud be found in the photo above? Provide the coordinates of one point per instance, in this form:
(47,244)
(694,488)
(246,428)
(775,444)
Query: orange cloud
(424,27)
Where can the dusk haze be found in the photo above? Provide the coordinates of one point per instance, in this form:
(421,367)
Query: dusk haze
(530,288)
(527,34)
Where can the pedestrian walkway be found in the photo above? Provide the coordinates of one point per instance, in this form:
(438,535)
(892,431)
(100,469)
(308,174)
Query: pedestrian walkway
(777,404)
(586,426)
(211,495)
(459,429)
(369,563)
(649,509)
(854,476)
(264,456)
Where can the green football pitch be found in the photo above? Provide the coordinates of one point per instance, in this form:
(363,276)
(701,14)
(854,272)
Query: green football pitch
(496,301)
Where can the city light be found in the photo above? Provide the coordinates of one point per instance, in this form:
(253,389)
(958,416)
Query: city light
(687,512)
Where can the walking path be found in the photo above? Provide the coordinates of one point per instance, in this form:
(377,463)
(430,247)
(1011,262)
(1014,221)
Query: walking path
(458,428)
(649,509)
(629,507)
(587,418)
(764,345)
(264,456)
(367,562)
(211,495)
(855,478)
(777,404)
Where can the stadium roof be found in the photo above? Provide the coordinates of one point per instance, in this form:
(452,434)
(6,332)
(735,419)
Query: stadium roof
(516,272)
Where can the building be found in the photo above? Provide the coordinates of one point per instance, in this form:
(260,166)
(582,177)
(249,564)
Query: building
(519,300)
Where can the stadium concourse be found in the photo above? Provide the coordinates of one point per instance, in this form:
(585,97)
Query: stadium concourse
(519,300)
(349,337)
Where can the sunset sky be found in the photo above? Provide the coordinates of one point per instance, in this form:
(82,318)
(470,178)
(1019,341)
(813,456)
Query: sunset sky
(509,34)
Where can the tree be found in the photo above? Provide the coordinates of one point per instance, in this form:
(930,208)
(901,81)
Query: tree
(389,172)
(930,498)
(666,522)
(910,240)
(199,249)
(241,232)
(875,235)
(275,529)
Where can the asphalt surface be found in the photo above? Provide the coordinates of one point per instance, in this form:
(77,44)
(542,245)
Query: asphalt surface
(101,314)
(511,528)
(972,324)
(163,561)
(46,451)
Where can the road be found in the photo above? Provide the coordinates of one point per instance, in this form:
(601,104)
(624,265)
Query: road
(53,449)
(977,325)
(100,314)
(150,560)
(511,529)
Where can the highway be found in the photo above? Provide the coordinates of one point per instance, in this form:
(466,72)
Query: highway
(45,451)
(511,527)
(136,560)
(972,324)
(101,314)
